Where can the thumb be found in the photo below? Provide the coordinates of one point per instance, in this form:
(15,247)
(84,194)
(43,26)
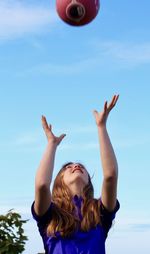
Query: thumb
(61,137)
(95,113)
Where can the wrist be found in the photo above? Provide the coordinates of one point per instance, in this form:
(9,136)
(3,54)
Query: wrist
(52,144)
(102,126)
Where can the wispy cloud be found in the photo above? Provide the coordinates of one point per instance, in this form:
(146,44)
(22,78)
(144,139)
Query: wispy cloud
(35,139)
(61,69)
(140,227)
(130,142)
(127,53)
(36,136)
(131,223)
(113,54)
(18,204)
(17,18)
(28,138)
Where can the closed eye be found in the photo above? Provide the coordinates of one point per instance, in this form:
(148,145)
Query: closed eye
(69,166)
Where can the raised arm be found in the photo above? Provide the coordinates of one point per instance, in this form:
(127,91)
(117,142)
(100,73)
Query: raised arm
(45,170)
(108,158)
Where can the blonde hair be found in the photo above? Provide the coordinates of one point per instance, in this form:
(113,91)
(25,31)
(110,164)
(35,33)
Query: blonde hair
(63,218)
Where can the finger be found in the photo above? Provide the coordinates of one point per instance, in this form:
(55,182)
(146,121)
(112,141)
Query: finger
(62,136)
(50,127)
(117,96)
(95,113)
(115,100)
(112,103)
(44,122)
(105,106)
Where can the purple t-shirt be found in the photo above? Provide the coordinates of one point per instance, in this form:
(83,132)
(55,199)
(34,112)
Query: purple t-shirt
(81,242)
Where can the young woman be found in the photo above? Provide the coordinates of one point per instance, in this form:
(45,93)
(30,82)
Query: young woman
(71,220)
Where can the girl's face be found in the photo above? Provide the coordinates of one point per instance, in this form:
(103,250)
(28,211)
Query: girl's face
(75,173)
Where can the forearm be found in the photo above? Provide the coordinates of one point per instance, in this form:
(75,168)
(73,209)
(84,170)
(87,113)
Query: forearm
(108,158)
(45,169)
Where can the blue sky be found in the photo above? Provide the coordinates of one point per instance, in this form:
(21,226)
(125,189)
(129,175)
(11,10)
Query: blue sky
(48,67)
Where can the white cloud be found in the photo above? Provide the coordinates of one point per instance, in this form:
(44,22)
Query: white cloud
(127,53)
(115,55)
(131,142)
(23,210)
(28,142)
(128,242)
(18,19)
(35,140)
(61,69)
(28,138)
(37,136)
(140,227)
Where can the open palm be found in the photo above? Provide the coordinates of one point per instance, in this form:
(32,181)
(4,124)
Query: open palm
(101,117)
(49,134)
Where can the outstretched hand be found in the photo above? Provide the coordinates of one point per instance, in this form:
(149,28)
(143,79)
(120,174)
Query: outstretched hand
(101,117)
(49,134)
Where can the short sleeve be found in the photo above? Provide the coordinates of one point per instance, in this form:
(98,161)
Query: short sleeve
(42,221)
(107,217)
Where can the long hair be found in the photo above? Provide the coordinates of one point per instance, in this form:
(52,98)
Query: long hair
(63,217)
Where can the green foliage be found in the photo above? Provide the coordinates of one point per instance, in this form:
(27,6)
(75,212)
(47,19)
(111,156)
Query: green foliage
(12,238)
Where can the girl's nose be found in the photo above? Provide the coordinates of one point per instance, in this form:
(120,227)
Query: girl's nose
(77,166)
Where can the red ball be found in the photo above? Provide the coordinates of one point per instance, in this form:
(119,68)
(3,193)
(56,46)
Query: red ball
(77,12)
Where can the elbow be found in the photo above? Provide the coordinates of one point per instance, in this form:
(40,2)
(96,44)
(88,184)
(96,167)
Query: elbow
(42,186)
(42,182)
(111,178)
(42,189)
(111,175)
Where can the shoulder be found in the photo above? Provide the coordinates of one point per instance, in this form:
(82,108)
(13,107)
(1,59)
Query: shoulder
(107,217)
(106,212)
(46,217)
